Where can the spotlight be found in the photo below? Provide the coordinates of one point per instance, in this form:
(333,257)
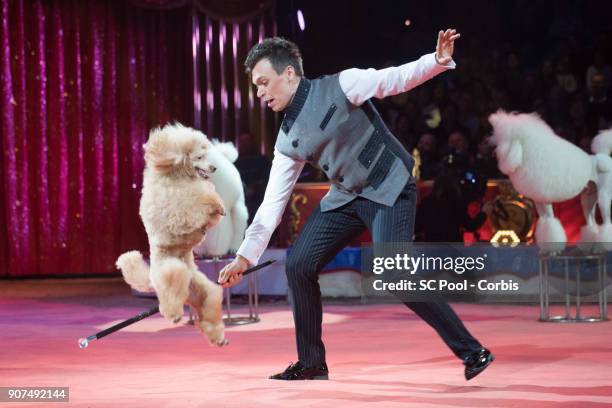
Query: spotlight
(300,19)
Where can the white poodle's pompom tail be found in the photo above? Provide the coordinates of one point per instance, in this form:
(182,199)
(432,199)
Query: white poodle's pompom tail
(227,149)
(602,143)
(135,271)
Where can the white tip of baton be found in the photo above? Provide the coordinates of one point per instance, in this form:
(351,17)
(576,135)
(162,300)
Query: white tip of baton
(83,343)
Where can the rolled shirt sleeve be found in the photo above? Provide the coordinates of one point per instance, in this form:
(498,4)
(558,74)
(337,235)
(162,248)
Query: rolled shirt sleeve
(360,85)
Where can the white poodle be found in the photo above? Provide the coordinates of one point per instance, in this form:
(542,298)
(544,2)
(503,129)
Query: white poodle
(178,206)
(227,236)
(601,147)
(549,169)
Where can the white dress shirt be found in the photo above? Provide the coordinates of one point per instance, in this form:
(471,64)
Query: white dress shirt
(358,85)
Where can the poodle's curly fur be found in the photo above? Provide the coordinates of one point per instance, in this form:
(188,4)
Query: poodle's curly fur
(549,169)
(178,205)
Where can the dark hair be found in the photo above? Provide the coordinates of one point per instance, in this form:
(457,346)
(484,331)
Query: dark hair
(280,52)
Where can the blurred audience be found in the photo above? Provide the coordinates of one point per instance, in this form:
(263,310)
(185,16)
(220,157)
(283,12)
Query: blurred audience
(563,74)
(254,168)
(442,216)
(446,118)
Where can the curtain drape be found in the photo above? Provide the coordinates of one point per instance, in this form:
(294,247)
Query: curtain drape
(228,99)
(82,85)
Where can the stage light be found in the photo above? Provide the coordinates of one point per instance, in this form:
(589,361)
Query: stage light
(301,21)
(407,22)
(505,238)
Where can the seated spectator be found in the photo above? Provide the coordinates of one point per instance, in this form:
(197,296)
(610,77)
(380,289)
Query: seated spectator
(485,163)
(458,143)
(599,108)
(598,67)
(429,158)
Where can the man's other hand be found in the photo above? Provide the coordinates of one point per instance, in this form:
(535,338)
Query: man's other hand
(446,45)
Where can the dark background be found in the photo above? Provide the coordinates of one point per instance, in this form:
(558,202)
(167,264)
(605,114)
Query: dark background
(363,33)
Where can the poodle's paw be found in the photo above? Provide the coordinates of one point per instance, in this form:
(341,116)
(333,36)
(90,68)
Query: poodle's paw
(219,342)
(223,342)
(550,235)
(219,209)
(171,311)
(588,237)
(604,238)
(129,260)
(589,233)
(213,220)
(214,332)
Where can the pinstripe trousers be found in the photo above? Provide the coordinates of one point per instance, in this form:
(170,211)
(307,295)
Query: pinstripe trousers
(323,236)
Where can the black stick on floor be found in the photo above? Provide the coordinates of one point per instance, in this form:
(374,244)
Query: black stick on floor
(84,342)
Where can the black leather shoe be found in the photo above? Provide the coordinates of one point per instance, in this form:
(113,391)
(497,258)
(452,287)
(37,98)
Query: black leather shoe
(298,372)
(477,362)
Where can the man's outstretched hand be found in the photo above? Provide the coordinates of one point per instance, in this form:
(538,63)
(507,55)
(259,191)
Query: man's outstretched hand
(446,45)
(231,274)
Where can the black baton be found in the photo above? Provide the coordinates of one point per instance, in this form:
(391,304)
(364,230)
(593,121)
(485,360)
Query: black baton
(84,342)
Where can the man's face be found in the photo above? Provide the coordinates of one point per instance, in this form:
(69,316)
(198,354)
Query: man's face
(275,89)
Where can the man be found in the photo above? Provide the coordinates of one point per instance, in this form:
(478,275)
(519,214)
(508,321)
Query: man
(330,123)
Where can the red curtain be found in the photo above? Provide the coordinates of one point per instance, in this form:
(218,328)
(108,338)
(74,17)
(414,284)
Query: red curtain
(228,99)
(82,84)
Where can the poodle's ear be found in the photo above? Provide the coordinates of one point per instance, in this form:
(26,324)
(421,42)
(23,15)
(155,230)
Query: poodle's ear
(160,150)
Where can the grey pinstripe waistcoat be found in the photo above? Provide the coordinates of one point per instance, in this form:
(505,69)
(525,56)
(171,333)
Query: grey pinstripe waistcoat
(351,144)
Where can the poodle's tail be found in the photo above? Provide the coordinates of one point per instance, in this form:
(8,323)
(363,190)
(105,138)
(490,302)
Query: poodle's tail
(135,271)
(602,143)
(227,149)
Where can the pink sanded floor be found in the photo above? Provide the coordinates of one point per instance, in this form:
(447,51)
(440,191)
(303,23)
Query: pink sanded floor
(379,356)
